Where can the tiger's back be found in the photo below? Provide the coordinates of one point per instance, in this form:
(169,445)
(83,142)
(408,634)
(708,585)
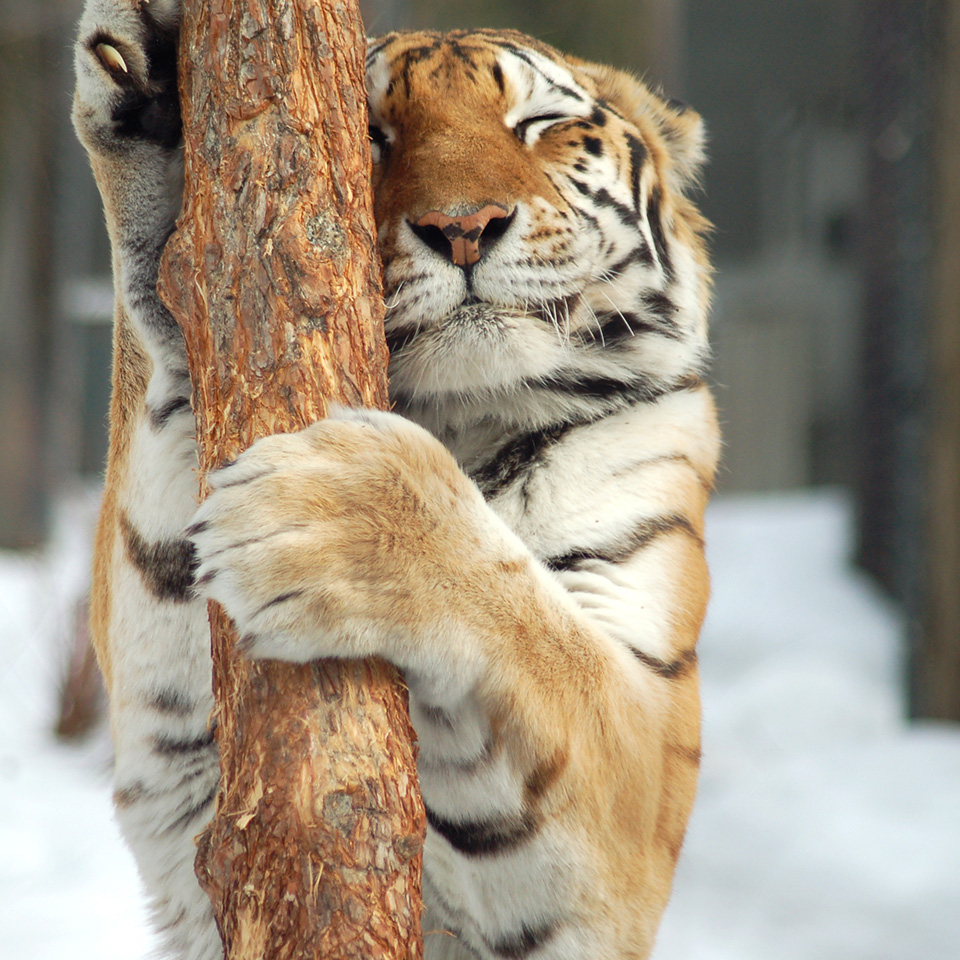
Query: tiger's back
(547,286)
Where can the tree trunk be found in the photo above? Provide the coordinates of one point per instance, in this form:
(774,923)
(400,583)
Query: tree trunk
(937,659)
(316,845)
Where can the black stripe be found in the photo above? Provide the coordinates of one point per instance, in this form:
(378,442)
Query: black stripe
(668,669)
(625,547)
(414,55)
(518,945)
(125,797)
(400,335)
(628,217)
(281,598)
(194,810)
(599,387)
(638,154)
(516,457)
(584,214)
(656,229)
(665,311)
(610,108)
(560,308)
(410,58)
(593,145)
(603,198)
(159,416)
(521,54)
(453,918)
(640,254)
(166,566)
(594,387)
(409,299)
(615,328)
(196,528)
(223,484)
(461,53)
(524,125)
(675,458)
(172,703)
(137,791)
(628,392)
(497,72)
(381,43)
(438,717)
(582,187)
(611,330)
(174,747)
(399,339)
(478,838)
(463,765)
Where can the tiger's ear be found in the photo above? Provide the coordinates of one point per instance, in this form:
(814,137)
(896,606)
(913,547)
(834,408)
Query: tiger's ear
(681,129)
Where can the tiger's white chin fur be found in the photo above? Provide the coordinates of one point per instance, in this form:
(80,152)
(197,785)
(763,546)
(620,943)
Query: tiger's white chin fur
(478,348)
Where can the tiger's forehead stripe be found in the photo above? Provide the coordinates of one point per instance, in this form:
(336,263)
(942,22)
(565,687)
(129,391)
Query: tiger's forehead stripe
(541,87)
(378,78)
(559,78)
(539,84)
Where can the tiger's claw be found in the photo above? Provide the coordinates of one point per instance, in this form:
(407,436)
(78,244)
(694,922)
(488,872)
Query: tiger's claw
(111,58)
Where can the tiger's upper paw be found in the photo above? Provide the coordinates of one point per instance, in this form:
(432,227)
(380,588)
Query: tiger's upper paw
(126,65)
(354,537)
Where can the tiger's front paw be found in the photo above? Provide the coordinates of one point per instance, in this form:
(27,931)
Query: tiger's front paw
(355,537)
(126,66)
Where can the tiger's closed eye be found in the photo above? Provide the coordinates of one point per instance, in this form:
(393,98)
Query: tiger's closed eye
(529,129)
(378,141)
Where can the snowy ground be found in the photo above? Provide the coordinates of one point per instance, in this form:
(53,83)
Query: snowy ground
(826,829)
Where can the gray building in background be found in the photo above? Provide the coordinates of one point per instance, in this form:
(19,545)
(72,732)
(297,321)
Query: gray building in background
(781,86)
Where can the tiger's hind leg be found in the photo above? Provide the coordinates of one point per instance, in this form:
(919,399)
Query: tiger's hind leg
(151,634)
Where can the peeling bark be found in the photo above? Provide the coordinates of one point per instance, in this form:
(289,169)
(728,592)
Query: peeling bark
(316,846)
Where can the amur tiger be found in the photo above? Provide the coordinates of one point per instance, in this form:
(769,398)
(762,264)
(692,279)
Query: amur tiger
(547,285)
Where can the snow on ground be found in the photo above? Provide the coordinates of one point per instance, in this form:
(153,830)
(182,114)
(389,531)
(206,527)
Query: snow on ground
(68,886)
(826,828)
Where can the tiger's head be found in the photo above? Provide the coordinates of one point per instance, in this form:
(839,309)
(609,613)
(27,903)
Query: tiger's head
(534,224)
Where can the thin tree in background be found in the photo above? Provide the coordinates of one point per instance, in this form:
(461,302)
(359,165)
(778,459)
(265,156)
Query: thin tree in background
(937,661)
(316,845)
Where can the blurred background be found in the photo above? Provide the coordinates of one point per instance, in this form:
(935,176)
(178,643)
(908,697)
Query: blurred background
(834,185)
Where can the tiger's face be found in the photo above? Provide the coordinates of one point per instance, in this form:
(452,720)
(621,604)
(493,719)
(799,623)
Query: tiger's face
(532,218)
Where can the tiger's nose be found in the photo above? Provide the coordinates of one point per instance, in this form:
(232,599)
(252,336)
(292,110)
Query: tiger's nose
(463,239)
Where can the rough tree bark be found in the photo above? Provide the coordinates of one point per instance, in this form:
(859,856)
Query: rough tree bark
(316,845)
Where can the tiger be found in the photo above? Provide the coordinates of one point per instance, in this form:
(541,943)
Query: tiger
(522,534)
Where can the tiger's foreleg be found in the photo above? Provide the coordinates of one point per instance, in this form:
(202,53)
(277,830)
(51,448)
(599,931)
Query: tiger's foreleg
(151,635)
